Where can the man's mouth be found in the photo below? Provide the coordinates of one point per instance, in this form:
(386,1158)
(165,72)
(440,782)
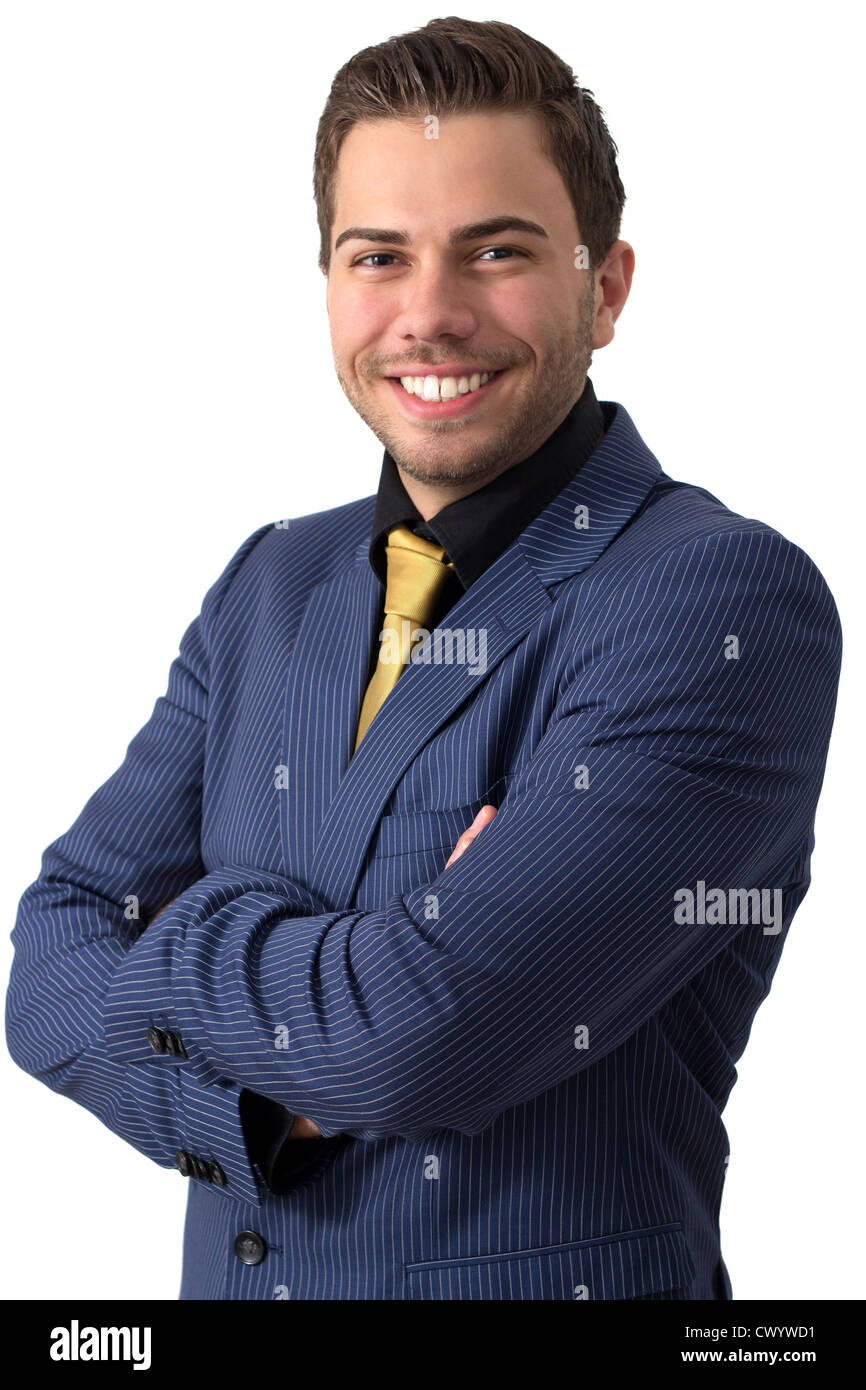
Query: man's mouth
(432,387)
(444,394)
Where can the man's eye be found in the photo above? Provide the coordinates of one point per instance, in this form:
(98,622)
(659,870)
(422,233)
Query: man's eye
(509,251)
(498,252)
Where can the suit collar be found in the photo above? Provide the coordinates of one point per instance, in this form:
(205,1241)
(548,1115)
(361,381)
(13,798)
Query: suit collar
(590,511)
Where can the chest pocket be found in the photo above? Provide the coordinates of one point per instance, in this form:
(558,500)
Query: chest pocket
(413,832)
(412,847)
(421,831)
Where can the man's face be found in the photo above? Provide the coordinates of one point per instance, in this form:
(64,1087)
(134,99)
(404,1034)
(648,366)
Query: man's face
(449,297)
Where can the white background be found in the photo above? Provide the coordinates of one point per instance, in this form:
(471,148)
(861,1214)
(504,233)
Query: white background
(168,387)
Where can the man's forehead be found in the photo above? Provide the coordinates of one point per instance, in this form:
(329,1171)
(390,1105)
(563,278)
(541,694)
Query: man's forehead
(450,137)
(479,168)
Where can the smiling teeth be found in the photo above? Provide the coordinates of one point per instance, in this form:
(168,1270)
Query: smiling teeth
(430,388)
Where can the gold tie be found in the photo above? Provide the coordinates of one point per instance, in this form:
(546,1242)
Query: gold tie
(417,571)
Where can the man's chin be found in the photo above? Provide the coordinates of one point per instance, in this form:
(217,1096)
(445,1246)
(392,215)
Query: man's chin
(443,458)
(465,449)
(448,451)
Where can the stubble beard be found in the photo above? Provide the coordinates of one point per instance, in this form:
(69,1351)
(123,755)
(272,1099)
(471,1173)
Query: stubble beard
(532,416)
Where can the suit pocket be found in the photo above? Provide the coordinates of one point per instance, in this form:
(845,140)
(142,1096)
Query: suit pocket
(413,832)
(628,1264)
(421,831)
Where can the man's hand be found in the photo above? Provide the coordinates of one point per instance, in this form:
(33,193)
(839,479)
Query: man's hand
(484,817)
(306,1129)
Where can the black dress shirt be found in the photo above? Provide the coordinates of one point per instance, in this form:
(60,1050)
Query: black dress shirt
(474,531)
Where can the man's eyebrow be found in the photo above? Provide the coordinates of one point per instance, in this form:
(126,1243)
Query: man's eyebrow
(474,231)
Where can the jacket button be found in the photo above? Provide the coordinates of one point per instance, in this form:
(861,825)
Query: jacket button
(217,1175)
(157,1039)
(182,1163)
(249,1248)
(200,1168)
(174,1045)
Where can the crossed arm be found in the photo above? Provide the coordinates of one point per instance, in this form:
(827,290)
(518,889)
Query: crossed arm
(662,764)
(302,1128)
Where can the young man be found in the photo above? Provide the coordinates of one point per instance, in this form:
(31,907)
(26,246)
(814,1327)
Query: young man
(397,1060)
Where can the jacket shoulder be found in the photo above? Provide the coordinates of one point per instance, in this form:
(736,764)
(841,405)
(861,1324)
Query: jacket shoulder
(682,517)
(314,547)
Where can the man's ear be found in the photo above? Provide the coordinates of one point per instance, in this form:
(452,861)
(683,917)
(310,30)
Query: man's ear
(612,285)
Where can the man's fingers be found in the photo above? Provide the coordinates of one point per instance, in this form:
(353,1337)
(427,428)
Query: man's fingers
(304,1129)
(484,817)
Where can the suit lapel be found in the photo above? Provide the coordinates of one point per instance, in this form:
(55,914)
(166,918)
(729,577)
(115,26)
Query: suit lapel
(589,513)
(326,681)
(337,799)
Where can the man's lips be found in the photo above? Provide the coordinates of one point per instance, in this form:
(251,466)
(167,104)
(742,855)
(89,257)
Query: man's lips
(445,410)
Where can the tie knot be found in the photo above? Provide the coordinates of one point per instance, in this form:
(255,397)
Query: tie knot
(417,571)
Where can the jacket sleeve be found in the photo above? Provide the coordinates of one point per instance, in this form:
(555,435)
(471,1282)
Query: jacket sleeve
(133,848)
(685,751)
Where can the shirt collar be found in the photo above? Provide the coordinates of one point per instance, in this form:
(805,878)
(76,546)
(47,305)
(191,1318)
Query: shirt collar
(477,528)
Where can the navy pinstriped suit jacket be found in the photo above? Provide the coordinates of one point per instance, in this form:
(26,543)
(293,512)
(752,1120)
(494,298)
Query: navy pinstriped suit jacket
(521,1060)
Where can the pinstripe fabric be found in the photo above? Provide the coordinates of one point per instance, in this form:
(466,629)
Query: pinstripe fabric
(521,1060)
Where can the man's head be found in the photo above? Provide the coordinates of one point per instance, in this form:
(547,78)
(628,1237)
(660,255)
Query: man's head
(469,206)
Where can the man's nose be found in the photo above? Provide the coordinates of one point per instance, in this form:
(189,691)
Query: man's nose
(434,303)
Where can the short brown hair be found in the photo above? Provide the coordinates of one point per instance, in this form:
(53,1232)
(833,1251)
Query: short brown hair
(459,66)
